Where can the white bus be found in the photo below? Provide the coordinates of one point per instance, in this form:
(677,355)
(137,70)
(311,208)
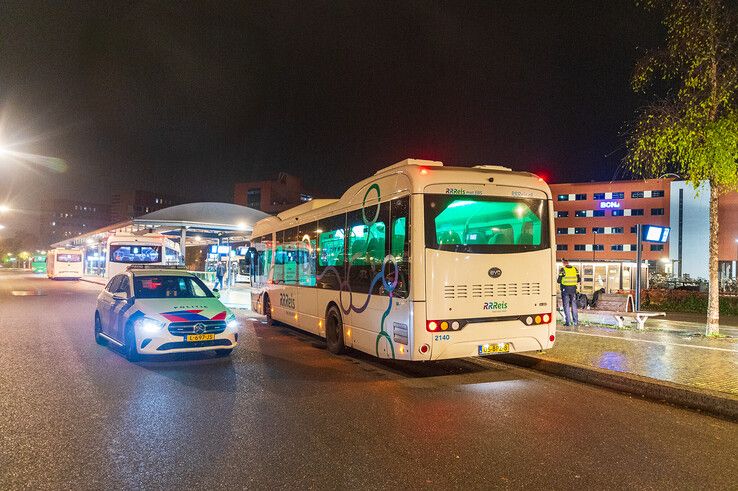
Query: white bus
(124,249)
(418,262)
(64,263)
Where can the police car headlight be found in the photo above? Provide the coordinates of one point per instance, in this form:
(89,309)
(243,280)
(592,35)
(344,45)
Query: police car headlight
(149,326)
(232,323)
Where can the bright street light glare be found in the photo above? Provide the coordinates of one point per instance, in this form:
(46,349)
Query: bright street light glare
(4,208)
(2,226)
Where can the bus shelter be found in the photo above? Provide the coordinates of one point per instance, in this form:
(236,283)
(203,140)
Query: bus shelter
(217,226)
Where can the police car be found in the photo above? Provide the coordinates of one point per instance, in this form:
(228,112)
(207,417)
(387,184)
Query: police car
(163,310)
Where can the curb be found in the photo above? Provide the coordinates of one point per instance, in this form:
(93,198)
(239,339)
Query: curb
(88,280)
(709,401)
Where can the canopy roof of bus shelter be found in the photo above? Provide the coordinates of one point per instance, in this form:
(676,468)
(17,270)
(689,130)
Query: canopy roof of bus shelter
(205,222)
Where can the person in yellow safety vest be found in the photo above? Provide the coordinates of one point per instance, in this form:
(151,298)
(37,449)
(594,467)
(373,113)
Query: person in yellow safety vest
(569,279)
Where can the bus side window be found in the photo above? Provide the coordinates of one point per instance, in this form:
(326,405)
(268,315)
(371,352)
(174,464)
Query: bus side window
(367,247)
(289,247)
(400,213)
(279,258)
(307,252)
(330,252)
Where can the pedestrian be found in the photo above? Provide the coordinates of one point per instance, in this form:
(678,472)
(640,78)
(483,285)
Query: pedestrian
(569,279)
(220,271)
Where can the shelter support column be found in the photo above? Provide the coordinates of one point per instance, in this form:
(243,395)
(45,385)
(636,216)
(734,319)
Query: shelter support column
(183,243)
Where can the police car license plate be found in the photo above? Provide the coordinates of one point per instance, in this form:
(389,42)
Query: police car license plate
(200,337)
(488,349)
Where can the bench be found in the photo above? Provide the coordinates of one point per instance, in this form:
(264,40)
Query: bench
(617,306)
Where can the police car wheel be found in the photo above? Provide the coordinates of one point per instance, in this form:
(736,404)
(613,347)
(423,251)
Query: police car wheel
(334,331)
(223,352)
(98,329)
(130,346)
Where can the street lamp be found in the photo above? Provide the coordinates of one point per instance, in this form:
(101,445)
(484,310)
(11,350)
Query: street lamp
(4,208)
(2,226)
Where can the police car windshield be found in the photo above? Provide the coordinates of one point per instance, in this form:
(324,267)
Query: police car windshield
(167,286)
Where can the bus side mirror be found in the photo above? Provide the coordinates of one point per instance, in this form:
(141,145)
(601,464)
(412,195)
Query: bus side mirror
(120,296)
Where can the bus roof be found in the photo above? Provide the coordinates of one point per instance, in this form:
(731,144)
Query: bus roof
(419,175)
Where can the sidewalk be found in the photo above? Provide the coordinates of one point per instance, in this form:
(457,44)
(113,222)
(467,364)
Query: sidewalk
(673,363)
(676,352)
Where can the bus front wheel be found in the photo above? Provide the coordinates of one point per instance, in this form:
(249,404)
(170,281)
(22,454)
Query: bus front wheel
(268,311)
(334,331)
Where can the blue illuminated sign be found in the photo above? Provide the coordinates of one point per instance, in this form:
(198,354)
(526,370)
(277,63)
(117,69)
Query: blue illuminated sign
(655,233)
(609,204)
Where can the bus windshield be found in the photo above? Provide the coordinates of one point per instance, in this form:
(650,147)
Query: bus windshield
(135,253)
(485,224)
(170,287)
(69,258)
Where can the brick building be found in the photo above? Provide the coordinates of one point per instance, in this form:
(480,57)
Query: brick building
(271,195)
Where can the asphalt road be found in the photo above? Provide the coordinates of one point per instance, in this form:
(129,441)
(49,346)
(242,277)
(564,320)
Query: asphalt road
(282,412)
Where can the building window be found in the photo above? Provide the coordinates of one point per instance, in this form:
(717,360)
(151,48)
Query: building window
(598,247)
(618,213)
(580,197)
(616,230)
(636,212)
(562,214)
(616,247)
(580,213)
(657,247)
(636,194)
(598,213)
(658,193)
(579,247)
(562,231)
(620,195)
(634,229)
(562,247)
(580,230)
(562,197)
(657,211)
(598,196)
(598,230)
(253,198)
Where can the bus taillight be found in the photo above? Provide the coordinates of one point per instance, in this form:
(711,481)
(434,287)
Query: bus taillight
(431,326)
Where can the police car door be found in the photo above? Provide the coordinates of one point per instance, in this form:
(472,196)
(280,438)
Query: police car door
(119,309)
(105,304)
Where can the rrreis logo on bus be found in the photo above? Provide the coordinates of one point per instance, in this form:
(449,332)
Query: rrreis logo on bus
(463,191)
(495,306)
(286,300)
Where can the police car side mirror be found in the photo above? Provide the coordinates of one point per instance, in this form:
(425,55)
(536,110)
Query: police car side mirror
(216,293)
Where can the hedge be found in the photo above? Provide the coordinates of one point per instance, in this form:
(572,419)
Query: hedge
(685,301)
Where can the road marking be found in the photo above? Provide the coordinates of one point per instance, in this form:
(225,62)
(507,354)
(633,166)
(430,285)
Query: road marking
(648,341)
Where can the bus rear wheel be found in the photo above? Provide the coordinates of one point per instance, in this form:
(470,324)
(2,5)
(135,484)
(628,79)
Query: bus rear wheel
(334,331)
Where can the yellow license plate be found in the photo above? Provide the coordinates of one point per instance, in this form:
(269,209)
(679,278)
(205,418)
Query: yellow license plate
(488,349)
(200,337)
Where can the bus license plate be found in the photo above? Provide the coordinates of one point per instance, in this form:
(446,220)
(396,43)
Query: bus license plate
(488,349)
(200,337)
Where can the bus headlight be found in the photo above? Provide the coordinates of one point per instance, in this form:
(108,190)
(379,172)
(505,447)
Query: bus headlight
(149,326)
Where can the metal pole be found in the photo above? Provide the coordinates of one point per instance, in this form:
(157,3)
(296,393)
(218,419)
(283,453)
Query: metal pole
(639,245)
(594,246)
(183,243)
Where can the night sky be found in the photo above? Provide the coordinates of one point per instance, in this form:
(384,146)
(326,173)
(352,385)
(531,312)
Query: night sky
(188,97)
